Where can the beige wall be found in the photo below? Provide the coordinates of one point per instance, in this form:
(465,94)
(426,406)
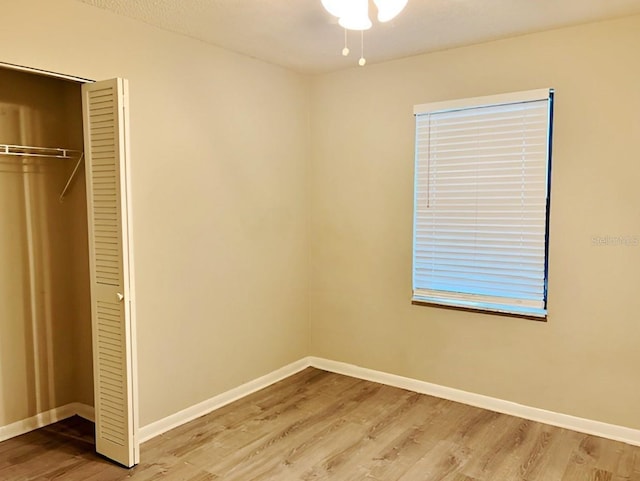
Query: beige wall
(219,173)
(43,276)
(584,360)
(78,243)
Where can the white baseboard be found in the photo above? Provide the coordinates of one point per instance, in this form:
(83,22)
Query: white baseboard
(587,426)
(174,420)
(44,419)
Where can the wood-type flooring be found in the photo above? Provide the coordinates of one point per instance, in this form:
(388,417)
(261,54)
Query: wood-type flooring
(318,425)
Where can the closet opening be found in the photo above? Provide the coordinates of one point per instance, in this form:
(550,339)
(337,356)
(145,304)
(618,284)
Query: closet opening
(67,344)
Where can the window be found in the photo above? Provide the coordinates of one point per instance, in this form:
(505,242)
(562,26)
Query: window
(482,202)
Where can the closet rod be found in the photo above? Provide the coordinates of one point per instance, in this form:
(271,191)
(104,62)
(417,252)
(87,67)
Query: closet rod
(27,151)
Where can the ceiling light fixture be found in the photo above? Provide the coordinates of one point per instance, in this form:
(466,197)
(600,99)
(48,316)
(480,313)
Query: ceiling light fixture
(354,15)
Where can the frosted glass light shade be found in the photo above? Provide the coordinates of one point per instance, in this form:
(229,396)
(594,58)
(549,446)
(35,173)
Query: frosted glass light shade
(389,9)
(355,23)
(334,7)
(352,14)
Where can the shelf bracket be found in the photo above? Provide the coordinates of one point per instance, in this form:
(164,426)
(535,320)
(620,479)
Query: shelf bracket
(71,177)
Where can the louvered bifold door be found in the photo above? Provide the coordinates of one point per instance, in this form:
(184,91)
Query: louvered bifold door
(105,125)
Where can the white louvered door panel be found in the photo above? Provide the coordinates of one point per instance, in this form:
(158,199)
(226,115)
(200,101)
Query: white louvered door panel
(105,125)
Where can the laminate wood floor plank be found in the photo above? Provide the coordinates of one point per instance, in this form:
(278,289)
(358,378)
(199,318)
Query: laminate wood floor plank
(530,443)
(317,452)
(506,436)
(441,463)
(635,476)
(374,426)
(317,425)
(240,423)
(390,449)
(361,399)
(406,444)
(440,421)
(246,409)
(552,463)
(615,457)
(264,432)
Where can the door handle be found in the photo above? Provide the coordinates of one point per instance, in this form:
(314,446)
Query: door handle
(120,296)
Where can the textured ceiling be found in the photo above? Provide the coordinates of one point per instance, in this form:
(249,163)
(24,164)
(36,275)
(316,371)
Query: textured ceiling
(300,35)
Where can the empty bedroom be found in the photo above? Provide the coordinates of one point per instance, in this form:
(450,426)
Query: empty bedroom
(322,239)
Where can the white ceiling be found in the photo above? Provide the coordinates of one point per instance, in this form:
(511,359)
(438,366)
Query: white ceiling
(300,35)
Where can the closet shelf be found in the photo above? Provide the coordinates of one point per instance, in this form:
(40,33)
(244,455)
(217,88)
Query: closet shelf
(48,152)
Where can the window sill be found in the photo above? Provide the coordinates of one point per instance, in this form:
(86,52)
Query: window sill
(416,301)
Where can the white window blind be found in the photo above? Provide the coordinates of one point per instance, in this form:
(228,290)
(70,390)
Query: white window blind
(481,202)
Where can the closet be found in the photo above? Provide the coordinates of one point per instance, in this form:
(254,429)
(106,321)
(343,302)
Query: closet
(45,331)
(66,338)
